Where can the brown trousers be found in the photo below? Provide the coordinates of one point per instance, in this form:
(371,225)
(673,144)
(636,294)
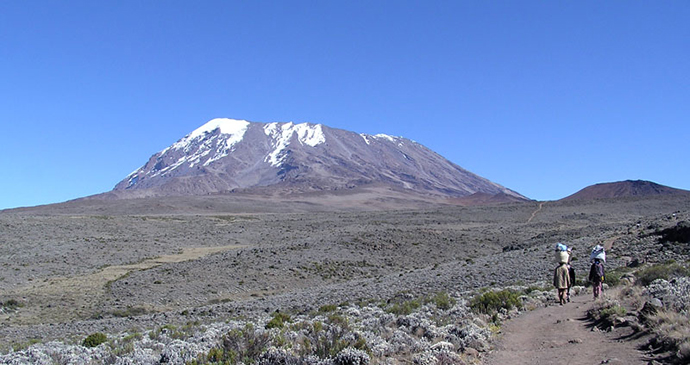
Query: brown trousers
(562,295)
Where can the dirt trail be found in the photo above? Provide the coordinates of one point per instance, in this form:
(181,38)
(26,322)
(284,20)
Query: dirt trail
(541,205)
(562,335)
(67,298)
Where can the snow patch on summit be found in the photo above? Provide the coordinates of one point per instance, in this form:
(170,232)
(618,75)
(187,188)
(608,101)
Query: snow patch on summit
(197,145)
(232,128)
(385,136)
(281,134)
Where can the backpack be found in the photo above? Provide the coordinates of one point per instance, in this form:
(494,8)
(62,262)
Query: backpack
(598,271)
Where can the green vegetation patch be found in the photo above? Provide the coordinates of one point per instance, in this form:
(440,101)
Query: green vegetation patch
(664,271)
(278,321)
(11,305)
(94,339)
(490,302)
(613,277)
(443,301)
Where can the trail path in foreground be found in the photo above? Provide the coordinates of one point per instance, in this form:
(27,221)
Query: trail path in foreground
(563,335)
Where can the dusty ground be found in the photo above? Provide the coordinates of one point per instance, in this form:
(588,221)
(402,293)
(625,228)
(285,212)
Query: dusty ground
(563,335)
(86,267)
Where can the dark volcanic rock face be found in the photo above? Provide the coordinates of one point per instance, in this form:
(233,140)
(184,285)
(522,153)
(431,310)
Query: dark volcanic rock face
(226,155)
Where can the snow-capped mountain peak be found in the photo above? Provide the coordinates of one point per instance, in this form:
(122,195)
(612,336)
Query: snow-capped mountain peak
(232,127)
(227,154)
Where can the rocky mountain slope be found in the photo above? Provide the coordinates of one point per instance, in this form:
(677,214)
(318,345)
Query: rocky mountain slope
(227,155)
(624,189)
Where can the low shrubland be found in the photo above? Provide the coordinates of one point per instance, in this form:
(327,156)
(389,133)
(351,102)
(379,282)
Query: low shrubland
(427,329)
(438,328)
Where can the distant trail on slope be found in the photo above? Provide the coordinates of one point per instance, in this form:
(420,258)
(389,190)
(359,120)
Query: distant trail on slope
(541,205)
(608,244)
(561,335)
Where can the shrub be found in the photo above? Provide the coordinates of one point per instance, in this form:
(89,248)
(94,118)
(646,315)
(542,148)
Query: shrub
(242,345)
(10,305)
(613,312)
(662,271)
(328,340)
(278,320)
(94,339)
(443,301)
(491,302)
(613,277)
(215,355)
(607,313)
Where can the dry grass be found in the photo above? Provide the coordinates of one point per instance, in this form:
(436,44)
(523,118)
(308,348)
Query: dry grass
(673,331)
(632,295)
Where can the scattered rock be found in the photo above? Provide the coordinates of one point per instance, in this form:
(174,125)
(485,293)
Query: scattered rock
(650,308)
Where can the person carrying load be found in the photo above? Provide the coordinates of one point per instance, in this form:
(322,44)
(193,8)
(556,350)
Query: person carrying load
(561,276)
(596,271)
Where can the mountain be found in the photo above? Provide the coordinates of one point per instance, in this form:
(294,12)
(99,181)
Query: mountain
(623,189)
(226,155)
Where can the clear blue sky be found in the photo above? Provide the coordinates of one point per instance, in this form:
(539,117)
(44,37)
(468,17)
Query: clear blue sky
(543,97)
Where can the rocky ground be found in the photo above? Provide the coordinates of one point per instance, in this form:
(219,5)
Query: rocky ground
(71,275)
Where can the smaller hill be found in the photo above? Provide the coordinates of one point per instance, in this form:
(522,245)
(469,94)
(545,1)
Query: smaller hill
(624,189)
